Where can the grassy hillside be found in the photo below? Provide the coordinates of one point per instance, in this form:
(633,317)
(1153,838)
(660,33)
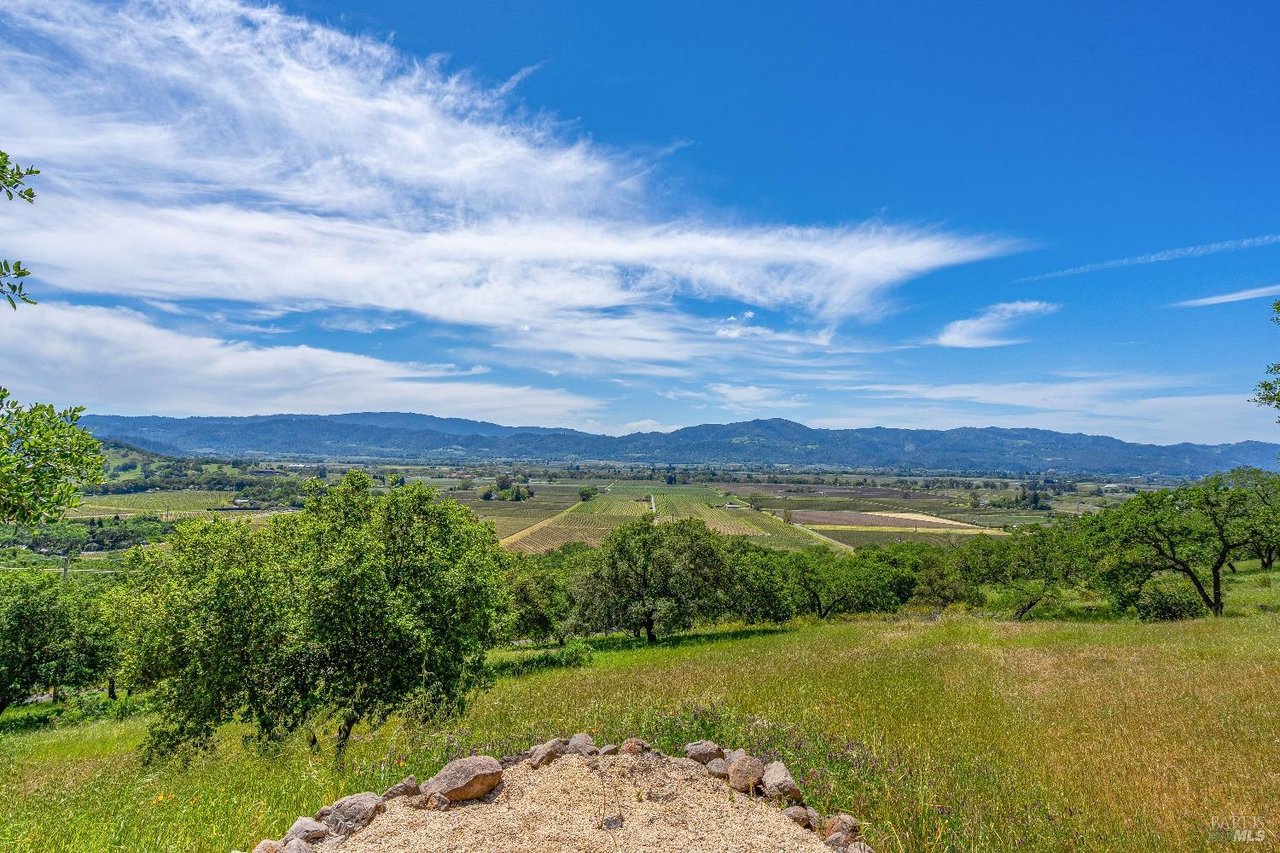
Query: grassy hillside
(951,735)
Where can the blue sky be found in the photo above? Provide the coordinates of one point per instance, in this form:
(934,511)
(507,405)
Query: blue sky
(642,216)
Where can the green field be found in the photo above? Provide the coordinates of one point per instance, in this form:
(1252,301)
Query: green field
(962,734)
(590,521)
(168,504)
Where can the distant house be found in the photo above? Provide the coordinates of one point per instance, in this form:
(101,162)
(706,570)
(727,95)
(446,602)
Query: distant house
(732,505)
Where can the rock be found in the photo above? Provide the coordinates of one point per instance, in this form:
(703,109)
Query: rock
(703,751)
(352,814)
(689,764)
(406,787)
(466,778)
(840,824)
(512,760)
(858,847)
(612,822)
(799,814)
(296,845)
(323,813)
(432,801)
(308,829)
(581,744)
(815,819)
(266,845)
(732,755)
(718,768)
(541,756)
(634,746)
(779,785)
(609,749)
(745,774)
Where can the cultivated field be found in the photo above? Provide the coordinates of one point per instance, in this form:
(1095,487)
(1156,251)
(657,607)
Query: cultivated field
(590,521)
(963,734)
(902,520)
(167,504)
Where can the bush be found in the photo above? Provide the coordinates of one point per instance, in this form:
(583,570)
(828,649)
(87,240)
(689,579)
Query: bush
(1168,598)
(575,653)
(85,706)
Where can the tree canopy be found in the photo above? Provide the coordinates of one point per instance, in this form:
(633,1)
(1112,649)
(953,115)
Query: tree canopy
(44,458)
(14,187)
(359,605)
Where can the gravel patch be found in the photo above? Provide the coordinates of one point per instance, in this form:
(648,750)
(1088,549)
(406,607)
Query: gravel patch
(583,804)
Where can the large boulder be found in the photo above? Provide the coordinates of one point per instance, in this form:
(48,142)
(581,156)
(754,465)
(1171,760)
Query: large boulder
(732,755)
(779,785)
(718,768)
(703,751)
(544,754)
(352,814)
(268,845)
(745,774)
(296,845)
(465,778)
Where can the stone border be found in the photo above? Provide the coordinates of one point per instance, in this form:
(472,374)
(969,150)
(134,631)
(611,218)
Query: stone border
(475,777)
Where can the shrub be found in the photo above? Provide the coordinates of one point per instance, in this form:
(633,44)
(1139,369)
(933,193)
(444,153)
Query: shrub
(1168,598)
(575,653)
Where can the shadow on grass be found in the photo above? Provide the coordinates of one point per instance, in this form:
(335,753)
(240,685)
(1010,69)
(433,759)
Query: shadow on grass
(625,642)
(29,718)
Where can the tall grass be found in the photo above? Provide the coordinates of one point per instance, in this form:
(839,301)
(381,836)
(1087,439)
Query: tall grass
(960,734)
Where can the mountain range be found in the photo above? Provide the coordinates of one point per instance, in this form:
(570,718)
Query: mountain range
(408,437)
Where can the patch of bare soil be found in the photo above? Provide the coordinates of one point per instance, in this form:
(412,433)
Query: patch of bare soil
(583,804)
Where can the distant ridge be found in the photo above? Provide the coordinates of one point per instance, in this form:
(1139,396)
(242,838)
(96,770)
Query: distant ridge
(425,438)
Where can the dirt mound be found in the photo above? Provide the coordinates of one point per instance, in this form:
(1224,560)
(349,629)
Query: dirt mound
(649,803)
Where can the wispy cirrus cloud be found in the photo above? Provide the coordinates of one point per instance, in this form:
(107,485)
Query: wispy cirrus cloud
(1142,407)
(990,328)
(1234,296)
(264,159)
(1162,256)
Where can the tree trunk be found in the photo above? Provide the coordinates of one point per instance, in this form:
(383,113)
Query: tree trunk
(1216,610)
(111,688)
(1217,592)
(344,733)
(648,628)
(1027,606)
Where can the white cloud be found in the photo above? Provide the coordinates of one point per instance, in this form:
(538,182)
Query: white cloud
(988,329)
(745,399)
(1166,255)
(220,150)
(116,355)
(1236,296)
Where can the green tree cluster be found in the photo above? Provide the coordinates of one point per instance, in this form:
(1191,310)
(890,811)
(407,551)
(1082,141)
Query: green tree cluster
(360,605)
